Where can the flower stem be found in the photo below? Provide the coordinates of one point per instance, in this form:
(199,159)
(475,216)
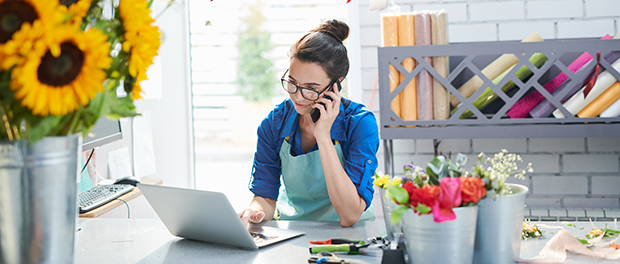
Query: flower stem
(6,123)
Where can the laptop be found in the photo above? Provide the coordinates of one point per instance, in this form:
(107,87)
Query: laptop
(209,217)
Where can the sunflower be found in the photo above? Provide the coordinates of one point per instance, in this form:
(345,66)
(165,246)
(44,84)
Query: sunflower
(58,78)
(75,8)
(14,15)
(142,39)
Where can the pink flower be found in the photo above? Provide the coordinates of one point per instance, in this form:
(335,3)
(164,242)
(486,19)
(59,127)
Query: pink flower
(449,197)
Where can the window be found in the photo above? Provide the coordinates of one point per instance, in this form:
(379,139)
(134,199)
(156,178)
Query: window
(225,117)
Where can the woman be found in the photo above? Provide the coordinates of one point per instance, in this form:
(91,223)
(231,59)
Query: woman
(327,166)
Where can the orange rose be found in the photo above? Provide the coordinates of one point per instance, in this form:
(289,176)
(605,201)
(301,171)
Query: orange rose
(472,189)
(433,190)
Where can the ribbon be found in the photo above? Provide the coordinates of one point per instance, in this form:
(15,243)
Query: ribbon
(593,76)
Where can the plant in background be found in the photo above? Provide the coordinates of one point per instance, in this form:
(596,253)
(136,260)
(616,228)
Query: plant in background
(437,191)
(255,72)
(63,65)
(503,165)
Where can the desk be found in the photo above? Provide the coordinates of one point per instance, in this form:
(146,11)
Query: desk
(105,240)
(116,203)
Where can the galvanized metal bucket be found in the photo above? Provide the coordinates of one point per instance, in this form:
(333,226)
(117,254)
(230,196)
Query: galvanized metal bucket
(38,208)
(388,207)
(447,242)
(500,223)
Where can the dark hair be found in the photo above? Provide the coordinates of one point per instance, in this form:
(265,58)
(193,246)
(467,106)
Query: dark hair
(323,45)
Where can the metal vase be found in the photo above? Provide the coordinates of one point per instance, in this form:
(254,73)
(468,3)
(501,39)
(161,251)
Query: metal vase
(500,223)
(38,192)
(388,206)
(446,242)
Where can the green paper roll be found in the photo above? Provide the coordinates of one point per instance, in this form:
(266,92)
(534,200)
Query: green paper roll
(488,96)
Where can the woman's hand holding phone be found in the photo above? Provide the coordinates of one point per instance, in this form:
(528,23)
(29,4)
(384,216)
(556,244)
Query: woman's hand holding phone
(328,108)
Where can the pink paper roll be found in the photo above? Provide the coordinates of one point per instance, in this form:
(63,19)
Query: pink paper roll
(425,80)
(522,107)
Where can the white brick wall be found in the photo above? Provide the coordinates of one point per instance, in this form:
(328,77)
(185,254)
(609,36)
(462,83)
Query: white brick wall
(568,172)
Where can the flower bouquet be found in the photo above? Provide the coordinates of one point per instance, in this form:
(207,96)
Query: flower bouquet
(436,190)
(443,200)
(63,65)
(500,214)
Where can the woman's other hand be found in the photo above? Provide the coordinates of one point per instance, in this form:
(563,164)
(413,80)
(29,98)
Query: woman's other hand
(251,215)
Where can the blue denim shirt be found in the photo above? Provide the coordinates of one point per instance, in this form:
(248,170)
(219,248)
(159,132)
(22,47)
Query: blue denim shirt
(355,127)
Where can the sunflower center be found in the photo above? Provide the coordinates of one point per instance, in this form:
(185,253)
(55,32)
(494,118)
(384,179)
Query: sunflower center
(64,69)
(68,3)
(12,15)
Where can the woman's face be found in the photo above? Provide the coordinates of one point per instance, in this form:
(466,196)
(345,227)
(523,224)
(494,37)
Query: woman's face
(307,75)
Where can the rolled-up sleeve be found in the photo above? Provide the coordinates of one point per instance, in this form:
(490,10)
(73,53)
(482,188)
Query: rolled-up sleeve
(361,162)
(265,180)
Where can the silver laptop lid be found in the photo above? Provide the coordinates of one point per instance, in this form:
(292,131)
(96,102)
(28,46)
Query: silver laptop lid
(199,215)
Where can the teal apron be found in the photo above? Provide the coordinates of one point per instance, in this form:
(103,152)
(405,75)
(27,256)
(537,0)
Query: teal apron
(303,194)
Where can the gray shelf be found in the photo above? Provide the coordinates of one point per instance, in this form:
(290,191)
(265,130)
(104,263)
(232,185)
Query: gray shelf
(496,124)
(470,58)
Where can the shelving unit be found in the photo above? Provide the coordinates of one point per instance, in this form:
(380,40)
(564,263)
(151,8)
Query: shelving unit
(494,125)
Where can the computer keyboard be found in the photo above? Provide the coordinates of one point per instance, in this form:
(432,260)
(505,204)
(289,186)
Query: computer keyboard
(100,195)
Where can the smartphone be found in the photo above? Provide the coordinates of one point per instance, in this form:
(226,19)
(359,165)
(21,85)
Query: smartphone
(316,113)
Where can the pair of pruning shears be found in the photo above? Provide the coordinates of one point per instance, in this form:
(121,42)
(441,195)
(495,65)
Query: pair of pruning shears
(350,246)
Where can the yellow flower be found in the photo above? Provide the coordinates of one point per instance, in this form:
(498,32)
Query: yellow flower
(16,15)
(58,78)
(76,7)
(142,39)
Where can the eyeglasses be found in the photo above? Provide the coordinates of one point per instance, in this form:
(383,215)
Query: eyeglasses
(308,93)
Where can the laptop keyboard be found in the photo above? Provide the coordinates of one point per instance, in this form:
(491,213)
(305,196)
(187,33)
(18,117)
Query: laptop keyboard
(100,195)
(260,238)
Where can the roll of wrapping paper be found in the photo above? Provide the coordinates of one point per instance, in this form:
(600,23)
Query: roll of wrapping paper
(439,36)
(522,107)
(578,102)
(424,85)
(408,102)
(389,30)
(545,108)
(488,96)
(613,110)
(602,102)
(491,71)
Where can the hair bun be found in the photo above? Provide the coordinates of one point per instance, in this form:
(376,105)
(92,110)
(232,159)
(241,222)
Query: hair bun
(335,28)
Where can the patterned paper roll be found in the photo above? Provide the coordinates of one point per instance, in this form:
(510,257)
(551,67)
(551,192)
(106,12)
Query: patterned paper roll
(408,103)
(425,80)
(491,71)
(522,107)
(545,108)
(389,30)
(577,102)
(602,102)
(613,110)
(488,96)
(439,31)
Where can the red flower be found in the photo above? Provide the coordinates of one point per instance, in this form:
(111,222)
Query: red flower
(434,190)
(472,189)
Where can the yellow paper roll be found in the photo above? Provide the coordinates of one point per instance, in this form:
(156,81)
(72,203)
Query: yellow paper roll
(408,103)
(491,71)
(440,37)
(389,29)
(601,102)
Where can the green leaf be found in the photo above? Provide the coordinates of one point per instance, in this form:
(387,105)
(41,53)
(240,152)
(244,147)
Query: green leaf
(423,209)
(437,164)
(399,194)
(583,241)
(398,213)
(461,159)
(43,127)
